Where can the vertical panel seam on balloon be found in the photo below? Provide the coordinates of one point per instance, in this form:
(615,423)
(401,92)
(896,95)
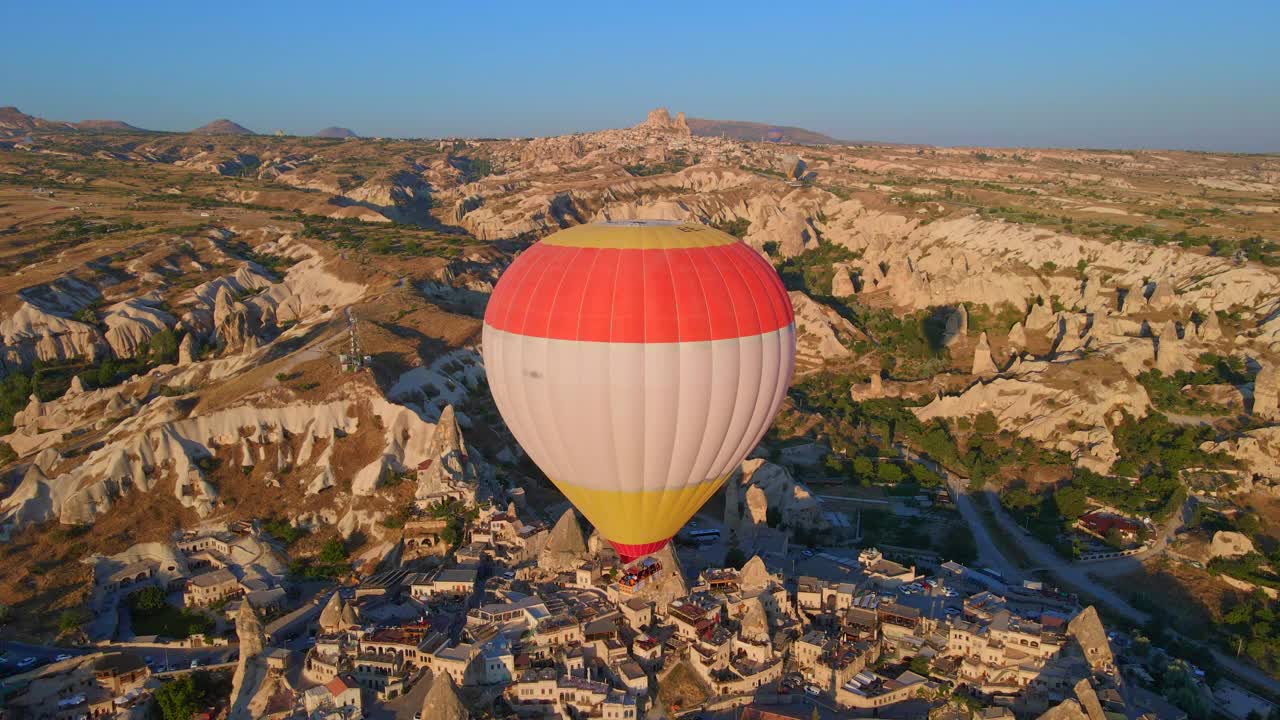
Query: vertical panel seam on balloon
(737,340)
(570,467)
(613,423)
(706,415)
(750,438)
(524,344)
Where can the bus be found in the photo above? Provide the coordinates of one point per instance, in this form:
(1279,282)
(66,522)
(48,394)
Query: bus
(704,536)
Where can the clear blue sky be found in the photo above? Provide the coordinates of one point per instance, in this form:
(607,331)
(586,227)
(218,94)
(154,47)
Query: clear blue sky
(1114,74)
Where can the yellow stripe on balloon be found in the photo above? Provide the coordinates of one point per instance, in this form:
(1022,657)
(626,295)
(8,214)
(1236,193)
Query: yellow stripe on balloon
(636,518)
(624,235)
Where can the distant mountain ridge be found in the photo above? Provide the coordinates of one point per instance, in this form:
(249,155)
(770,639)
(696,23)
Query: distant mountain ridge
(756,132)
(15,122)
(223,126)
(334,131)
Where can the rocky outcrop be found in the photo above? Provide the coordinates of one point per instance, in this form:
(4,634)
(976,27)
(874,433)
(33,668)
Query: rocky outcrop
(1087,630)
(1040,317)
(983,364)
(1257,451)
(754,622)
(1017,336)
(660,119)
(766,485)
(1209,329)
(337,615)
(1089,700)
(957,325)
(187,350)
(442,701)
(841,283)
(1266,392)
(249,682)
(1162,296)
(1228,544)
(449,464)
(821,333)
(1067,406)
(565,548)
(1172,353)
(1068,709)
(754,576)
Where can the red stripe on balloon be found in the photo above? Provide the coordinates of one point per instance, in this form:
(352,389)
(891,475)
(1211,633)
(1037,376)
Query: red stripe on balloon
(630,553)
(632,295)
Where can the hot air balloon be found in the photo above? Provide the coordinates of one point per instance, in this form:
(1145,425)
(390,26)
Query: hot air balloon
(637,363)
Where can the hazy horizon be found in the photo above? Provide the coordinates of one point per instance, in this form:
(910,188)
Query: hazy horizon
(1168,76)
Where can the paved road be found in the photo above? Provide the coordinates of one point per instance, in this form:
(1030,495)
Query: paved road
(1077,578)
(989,554)
(176,658)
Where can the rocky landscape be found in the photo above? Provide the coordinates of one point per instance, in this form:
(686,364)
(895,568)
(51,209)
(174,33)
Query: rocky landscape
(174,306)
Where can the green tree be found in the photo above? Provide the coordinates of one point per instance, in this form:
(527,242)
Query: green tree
(178,699)
(70,621)
(985,424)
(889,473)
(1070,501)
(919,665)
(863,467)
(107,373)
(164,346)
(333,551)
(148,600)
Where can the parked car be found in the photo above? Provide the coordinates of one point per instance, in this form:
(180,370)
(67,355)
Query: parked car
(26,662)
(813,690)
(195,663)
(62,656)
(807,553)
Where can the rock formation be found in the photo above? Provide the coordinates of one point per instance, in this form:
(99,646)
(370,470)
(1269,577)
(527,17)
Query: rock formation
(957,326)
(771,486)
(187,350)
(1266,392)
(1089,700)
(1163,295)
(565,548)
(1064,405)
(660,119)
(841,284)
(1209,329)
(1135,299)
(754,576)
(821,332)
(442,701)
(449,465)
(983,364)
(754,621)
(1017,336)
(1088,631)
(1228,544)
(1040,317)
(249,683)
(1068,709)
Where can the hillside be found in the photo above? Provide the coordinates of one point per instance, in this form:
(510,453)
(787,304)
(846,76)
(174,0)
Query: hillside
(222,126)
(336,132)
(756,132)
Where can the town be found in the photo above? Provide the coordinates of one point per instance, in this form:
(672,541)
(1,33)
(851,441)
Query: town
(525,615)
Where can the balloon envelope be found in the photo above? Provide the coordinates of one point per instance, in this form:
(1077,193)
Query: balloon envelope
(637,363)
